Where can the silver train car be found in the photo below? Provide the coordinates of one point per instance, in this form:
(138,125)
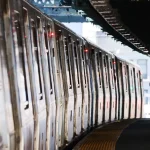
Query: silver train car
(56,85)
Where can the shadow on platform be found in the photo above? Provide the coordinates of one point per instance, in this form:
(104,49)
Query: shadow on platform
(135,137)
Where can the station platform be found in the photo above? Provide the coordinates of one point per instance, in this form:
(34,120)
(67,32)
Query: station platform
(124,135)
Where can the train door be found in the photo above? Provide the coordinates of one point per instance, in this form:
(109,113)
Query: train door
(135,92)
(13,70)
(5,106)
(126,93)
(57,64)
(84,83)
(100,95)
(112,90)
(93,87)
(65,55)
(46,53)
(70,104)
(119,80)
(137,95)
(88,70)
(29,50)
(106,86)
(7,128)
(132,93)
(141,93)
(116,88)
(38,77)
(77,86)
(24,87)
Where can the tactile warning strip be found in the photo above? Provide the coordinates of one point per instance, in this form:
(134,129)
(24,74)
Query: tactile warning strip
(104,138)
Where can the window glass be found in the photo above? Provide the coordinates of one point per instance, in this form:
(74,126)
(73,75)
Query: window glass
(111,72)
(84,65)
(126,77)
(37,60)
(76,57)
(99,69)
(67,44)
(22,78)
(105,60)
(132,81)
(48,59)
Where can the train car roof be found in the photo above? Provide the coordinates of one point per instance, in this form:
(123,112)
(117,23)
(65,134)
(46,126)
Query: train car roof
(97,47)
(127,61)
(66,28)
(79,36)
(25,3)
(83,38)
(52,19)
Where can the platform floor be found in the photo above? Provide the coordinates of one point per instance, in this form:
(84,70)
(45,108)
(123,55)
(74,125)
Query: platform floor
(135,137)
(124,135)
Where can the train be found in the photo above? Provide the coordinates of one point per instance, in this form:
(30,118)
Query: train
(56,85)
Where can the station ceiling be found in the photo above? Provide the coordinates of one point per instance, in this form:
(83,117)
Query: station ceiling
(127,20)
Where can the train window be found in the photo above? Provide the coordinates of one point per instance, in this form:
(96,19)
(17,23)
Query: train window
(50,42)
(139,80)
(137,83)
(100,67)
(111,73)
(126,77)
(48,59)
(110,62)
(37,60)
(18,30)
(98,55)
(34,34)
(79,112)
(76,57)
(114,70)
(38,22)
(85,75)
(5,6)
(52,129)
(105,60)
(84,66)
(25,15)
(50,70)
(46,38)
(132,81)
(59,45)
(82,51)
(71,115)
(120,75)
(68,61)
(22,65)
(86,109)
(98,71)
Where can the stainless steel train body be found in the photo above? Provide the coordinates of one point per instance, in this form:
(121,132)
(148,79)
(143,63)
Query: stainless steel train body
(56,85)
